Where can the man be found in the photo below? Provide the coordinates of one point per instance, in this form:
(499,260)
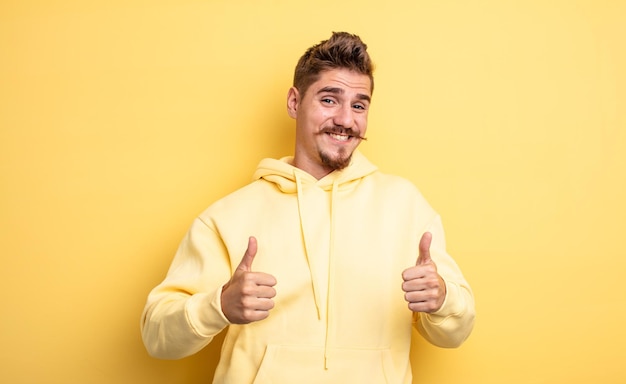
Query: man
(312,266)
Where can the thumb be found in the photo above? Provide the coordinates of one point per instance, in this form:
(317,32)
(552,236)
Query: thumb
(248,257)
(424,249)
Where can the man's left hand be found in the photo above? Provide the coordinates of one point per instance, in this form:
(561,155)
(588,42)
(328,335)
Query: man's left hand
(425,290)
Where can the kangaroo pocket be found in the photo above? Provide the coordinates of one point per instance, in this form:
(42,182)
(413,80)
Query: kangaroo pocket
(305,365)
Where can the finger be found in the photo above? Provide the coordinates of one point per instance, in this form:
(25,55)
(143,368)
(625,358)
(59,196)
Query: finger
(428,306)
(264,279)
(424,249)
(252,315)
(265,292)
(248,257)
(264,304)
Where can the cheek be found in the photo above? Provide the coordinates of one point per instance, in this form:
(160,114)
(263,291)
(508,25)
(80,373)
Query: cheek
(361,120)
(318,118)
(324,116)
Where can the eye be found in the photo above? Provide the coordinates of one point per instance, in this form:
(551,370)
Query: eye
(359,106)
(328,101)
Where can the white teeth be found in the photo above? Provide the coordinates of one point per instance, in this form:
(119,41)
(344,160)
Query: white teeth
(339,137)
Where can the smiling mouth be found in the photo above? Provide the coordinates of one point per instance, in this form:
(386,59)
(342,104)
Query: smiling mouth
(344,136)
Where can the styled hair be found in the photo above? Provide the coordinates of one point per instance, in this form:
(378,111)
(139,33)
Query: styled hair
(341,51)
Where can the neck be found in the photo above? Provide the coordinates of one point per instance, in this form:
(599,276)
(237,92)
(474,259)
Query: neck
(314,169)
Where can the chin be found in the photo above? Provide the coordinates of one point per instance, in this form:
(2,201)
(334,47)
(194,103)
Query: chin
(337,162)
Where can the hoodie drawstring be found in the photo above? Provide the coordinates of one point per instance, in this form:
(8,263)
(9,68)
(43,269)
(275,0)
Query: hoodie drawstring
(331,272)
(307,246)
(308,197)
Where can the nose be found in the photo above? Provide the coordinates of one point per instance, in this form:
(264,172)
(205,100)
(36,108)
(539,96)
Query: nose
(344,116)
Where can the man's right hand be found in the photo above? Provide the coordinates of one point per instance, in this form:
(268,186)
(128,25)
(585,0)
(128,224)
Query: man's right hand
(247,296)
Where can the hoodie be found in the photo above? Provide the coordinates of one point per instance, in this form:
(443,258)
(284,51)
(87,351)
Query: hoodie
(337,248)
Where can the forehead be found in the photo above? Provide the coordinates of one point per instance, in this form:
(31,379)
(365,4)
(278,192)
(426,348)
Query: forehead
(347,80)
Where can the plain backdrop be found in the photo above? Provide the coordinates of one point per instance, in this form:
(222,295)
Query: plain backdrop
(120,121)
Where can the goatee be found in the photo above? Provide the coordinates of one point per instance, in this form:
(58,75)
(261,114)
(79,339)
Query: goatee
(338,162)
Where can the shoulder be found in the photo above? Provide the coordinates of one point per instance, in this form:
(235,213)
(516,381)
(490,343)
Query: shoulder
(400,190)
(240,201)
(393,182)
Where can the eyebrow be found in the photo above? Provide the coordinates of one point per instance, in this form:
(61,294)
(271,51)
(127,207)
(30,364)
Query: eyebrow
(340,91)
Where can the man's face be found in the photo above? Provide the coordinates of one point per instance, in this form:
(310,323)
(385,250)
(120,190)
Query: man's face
(331,120)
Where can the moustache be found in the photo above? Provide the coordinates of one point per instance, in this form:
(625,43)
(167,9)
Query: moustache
(343,131)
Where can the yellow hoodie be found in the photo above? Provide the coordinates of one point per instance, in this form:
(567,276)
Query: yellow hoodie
(337,248)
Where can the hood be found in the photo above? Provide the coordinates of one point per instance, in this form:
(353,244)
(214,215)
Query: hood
(286,176)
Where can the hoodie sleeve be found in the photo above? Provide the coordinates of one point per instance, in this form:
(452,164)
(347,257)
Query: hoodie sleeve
(450,326)
(183,313)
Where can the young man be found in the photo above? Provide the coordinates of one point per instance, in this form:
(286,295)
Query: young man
(320,267)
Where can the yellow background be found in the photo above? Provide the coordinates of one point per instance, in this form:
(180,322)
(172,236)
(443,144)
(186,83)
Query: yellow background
(122,120)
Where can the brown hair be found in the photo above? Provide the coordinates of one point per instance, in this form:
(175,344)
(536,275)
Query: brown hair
(342,50)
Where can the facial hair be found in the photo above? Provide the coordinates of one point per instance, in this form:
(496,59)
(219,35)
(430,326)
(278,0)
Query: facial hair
(343,158)
(339,162)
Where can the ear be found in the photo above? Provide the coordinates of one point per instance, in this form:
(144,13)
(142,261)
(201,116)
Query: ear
(293,99)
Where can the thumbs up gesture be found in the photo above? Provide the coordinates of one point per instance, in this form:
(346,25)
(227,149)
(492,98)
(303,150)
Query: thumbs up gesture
(424,289)
(247,296)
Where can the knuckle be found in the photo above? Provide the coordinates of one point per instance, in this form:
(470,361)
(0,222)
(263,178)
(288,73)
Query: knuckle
(248,315)
(247,290)
(246,277)
(247,302)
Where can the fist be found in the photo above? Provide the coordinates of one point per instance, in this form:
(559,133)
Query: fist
(424,289)
(248,295)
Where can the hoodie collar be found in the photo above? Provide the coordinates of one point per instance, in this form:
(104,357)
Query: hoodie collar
(282,173)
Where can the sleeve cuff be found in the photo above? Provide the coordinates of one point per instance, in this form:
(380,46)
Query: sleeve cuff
(453,304)
(204,313)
